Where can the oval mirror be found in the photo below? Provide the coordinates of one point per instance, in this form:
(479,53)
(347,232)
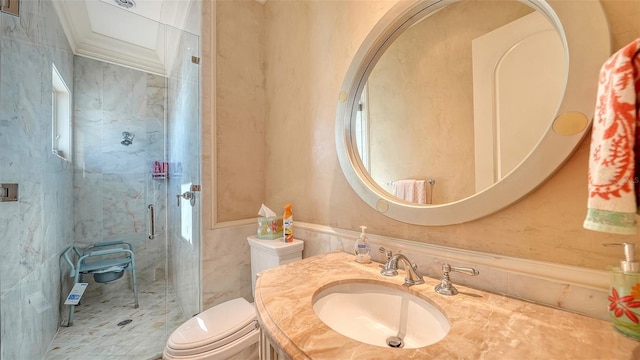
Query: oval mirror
(447,111)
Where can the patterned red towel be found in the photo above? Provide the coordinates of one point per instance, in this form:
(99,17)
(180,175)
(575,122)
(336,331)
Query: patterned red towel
(613,164)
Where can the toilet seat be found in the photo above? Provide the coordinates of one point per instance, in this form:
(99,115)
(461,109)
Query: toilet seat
(217,332)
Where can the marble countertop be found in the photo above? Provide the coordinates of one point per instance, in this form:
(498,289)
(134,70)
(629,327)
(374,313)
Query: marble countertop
(483,325)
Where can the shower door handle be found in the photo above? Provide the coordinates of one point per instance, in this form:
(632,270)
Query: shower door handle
(187,195)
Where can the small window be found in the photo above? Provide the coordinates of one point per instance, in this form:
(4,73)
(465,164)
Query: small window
(61,117)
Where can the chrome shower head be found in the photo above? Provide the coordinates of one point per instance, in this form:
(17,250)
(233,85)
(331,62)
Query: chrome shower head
(127,138)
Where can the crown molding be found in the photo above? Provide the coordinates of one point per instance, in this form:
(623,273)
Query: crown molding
(74,19)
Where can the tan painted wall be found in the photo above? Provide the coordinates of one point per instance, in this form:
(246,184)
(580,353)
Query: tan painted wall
(308,46)
(233,143)
(420,100)
(240,109)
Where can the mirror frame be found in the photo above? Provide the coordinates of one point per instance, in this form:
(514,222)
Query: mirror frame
(584,30)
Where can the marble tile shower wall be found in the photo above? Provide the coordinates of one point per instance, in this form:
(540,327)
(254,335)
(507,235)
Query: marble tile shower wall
(112,182)
(35,230)
(183,145)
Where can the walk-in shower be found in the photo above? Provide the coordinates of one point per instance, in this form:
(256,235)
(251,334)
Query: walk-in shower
(101,193)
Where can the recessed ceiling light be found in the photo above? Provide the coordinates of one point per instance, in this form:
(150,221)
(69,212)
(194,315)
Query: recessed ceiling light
(127,4)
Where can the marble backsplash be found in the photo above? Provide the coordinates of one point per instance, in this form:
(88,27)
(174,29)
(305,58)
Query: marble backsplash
(580,290)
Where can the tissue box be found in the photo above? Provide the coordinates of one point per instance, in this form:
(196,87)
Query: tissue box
(269,228)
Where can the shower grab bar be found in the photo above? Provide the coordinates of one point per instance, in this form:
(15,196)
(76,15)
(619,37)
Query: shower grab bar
(152,223)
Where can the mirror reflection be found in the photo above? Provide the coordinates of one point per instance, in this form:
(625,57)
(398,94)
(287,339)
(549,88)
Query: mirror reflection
(459,100)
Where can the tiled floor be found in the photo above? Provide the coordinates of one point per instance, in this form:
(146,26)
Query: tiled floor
(95,333)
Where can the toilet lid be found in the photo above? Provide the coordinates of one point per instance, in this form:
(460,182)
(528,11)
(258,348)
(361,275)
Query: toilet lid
(213,328)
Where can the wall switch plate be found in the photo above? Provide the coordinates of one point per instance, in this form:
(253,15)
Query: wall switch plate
(8,192)
(10,7)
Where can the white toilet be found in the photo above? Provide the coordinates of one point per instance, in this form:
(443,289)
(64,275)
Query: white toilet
(230,330)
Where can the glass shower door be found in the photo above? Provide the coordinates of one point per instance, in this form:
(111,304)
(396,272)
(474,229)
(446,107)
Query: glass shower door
(184,156)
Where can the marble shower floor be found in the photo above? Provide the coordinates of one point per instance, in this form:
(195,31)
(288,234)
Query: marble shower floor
(95,333)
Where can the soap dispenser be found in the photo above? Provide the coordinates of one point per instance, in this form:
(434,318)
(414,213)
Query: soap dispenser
(624,296)
(362,248)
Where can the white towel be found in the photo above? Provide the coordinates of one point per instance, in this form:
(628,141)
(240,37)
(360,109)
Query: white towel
(420,192)
(404,189)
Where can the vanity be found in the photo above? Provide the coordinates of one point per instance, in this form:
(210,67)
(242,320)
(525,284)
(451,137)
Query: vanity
(482,325)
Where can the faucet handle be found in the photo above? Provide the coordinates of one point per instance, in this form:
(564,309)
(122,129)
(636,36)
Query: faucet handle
(446,287)
(464,270)
(388,253)
(389,268)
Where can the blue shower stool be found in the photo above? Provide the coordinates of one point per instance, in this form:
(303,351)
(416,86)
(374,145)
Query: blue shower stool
(106,261)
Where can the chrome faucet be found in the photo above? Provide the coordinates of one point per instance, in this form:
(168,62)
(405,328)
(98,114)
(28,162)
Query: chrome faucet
(412,276)
(388,254)
(446,287)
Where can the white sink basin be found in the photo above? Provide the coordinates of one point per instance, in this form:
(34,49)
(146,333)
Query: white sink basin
(379,315)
